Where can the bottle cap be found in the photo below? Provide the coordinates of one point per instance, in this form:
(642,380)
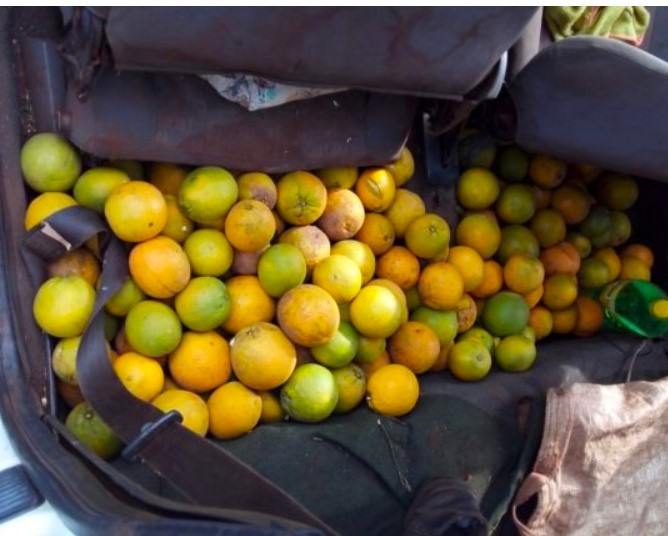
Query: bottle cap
(659,308)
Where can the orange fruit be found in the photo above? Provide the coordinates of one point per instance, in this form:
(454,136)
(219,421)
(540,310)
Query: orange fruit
(193,409)
(310,240)
(640,251)
(441,362)
(402,168)
(249,225)
(505,313)
(467,313)
(475,148)
(399,265)
(70,393)
(207,194)
(571,202)
(64,359)
(492,281)
(343,216)
(338,177)
(351,383)
(470,265)
(308,315)
(209,252)
(201,361)
(634,268)
(517,239)
(589,318)
(360,253)
(140,375)
(246,262)
(160,267)
(398,294)
(340,350)
(414,345)
(301,198)
(405,207)
(167,177)
(533,298)
(376,188)
(469,360)
(45,205)
(382,360)
(249,303)
(375,312)
(152,328)
(515,353)
(203,304)
(479,232)
(377,232)
(49,163)
(369,349)
(280,268)
(271,408)
(611,259)
(339,276)
(620,229)
(413,298)
(93,187)
(516,204)
(63,305)
(540,319)
(585,172)
(523,273)
(89,428)
(441,286)
(560,258)
(136,211)
(541,196)
(594,273)
(427,235)
(79,262)
(596,223)
(547,172)
(259,187)
(481,335)
(262,356)
(560,291)
(549,227)
(178,227)
(565,320)
(617,191)
(580,242)
(392,390)
(311,394)
(234,410)
(512,163)
(477,189)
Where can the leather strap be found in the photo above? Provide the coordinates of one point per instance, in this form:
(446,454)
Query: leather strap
(201,469)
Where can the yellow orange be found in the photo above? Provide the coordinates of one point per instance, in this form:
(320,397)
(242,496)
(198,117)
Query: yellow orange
(249,303)
(441,286)
(308,315)
(301,198)
(399,265)
(250,225)
(343,215)
(201,361)
(414,345)
(377,232)
(376,188)
(470,265)
(405,207)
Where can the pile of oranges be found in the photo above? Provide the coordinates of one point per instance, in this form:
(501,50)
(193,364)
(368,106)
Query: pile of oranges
(254,299)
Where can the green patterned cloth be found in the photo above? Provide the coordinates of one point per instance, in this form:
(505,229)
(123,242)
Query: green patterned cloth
(628,23)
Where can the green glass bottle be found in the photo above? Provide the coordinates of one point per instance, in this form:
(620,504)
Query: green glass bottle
(635,306)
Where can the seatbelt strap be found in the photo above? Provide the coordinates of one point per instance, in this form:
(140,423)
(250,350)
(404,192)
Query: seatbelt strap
(201,469)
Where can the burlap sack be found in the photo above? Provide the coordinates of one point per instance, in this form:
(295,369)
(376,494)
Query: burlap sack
(602,467)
